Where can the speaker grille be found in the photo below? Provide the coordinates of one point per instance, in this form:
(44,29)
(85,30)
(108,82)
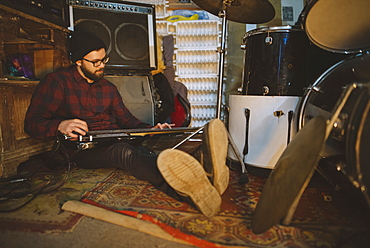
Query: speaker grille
(131,42)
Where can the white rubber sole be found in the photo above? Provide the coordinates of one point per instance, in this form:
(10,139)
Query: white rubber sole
(187,176)
(218,142)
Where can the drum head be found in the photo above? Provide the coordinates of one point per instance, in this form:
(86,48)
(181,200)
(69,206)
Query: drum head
(339,25)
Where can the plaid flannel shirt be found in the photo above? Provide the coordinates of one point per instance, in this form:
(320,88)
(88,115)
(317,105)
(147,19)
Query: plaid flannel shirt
(67,95)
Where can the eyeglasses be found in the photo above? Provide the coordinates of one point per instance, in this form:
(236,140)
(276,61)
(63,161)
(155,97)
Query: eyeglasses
(98,62)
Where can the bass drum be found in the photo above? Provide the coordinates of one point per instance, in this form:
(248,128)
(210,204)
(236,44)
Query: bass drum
(262,127)
(341,95)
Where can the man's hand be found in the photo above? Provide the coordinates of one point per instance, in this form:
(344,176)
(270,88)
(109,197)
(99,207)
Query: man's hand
(163,125)
(73,127)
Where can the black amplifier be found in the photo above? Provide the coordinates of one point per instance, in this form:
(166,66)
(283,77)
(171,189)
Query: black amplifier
(127,28)
(53,11)
(120,6)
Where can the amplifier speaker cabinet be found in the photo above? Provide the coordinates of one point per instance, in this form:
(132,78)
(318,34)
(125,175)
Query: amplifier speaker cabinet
(53,11)
(128,30)
(137,94)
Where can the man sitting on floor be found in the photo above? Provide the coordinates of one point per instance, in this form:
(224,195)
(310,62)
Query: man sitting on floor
(76,100)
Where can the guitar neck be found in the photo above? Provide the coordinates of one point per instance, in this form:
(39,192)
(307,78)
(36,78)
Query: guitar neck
(117,133)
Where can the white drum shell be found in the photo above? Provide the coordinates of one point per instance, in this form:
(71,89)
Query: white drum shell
(268,134)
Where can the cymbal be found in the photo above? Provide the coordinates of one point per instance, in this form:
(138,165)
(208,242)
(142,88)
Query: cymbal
(290,176)
(243,11)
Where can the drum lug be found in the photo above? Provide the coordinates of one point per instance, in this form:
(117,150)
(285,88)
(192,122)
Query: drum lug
(363,187)
(338,130)
(265,90)
(316,89)
(356,184)
(243,46)
(340,166)
(268,40)
(279,113)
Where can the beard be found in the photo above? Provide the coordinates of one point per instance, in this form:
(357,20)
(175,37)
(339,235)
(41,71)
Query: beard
(93,75)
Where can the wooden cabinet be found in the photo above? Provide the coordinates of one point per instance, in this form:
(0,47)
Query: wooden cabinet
(46,44)
(16,146)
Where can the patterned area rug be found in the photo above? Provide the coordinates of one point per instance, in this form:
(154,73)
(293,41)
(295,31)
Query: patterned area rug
(44,213)
(316,222)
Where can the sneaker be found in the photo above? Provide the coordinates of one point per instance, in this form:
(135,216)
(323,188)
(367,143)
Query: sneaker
(186,175)
(214,152)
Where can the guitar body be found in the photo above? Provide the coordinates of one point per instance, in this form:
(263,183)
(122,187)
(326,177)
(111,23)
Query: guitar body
(181,116)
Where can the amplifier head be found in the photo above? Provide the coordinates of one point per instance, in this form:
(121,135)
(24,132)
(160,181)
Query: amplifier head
(128,30)
(53,11)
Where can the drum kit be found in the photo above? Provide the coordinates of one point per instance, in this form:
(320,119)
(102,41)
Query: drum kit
(305,100)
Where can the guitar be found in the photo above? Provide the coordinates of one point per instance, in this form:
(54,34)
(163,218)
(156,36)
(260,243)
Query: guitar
(181,116)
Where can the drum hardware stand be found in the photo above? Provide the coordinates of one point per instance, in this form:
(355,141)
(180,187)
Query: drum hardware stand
(329,127)
(333,121)
(222,52)
(187,138)
(244,177)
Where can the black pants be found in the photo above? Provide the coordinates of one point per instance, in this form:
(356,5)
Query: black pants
(137,161)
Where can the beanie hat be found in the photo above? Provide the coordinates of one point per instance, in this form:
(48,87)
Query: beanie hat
(83,43)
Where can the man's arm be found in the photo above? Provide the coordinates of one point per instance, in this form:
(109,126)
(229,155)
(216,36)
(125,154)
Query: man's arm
(40,123)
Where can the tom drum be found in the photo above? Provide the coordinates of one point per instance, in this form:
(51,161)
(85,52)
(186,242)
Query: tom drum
(275,61)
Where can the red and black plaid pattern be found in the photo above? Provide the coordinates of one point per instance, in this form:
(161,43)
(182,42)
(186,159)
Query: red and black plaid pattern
(67,95)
